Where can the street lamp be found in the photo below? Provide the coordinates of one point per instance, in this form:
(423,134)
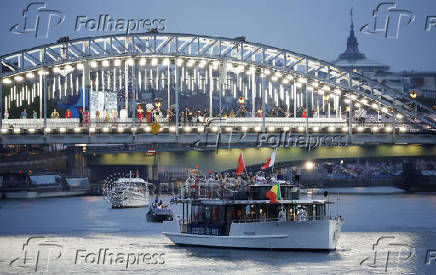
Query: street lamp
(413,94)
(158,102)
(309,165)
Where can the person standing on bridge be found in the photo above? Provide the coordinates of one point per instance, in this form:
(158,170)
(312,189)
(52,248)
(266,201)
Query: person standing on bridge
(6,114)
(123,115)
(86,117)
(259,112)
(80,117)
(35,114)
(54,114)
(68,114)
(364,115)
(23,114)
(97,116)
(115,116)
(304,114)
(106,116)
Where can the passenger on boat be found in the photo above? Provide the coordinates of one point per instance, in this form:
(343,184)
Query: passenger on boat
(282,215)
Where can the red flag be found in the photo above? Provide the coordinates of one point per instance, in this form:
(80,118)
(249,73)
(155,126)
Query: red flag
(241,166)
(270,161)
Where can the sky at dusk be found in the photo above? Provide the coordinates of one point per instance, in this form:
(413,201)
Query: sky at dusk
(313,27)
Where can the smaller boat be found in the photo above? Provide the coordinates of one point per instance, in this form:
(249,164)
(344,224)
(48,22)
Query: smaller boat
(128,192)
(159,212)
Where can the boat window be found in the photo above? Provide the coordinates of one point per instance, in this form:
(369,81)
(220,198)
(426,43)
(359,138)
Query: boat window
(207,213)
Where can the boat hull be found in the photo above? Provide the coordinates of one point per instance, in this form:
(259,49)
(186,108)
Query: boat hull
(319,235)
(131,201)
(158,218)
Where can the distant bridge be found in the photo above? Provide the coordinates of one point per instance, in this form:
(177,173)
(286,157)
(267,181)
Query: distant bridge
(243,87)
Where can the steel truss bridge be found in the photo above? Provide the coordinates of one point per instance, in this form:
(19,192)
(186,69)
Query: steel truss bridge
(122,71)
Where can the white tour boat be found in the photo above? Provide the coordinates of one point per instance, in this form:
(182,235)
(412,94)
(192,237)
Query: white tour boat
(247,219)
(128,192)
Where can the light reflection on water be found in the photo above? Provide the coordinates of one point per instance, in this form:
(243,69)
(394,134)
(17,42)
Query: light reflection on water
(88,223)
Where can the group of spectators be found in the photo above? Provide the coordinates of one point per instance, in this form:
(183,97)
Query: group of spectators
(377,170)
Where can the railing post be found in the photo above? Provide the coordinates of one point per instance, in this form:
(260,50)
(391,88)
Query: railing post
(134,90)
(176,90)
(262,88)
(222,79)
(45,90)
(306,101)
(253,93)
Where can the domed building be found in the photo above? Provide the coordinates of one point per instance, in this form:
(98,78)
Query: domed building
(352,59)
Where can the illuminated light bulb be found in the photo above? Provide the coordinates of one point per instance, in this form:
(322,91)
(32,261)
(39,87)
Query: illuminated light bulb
(18,78)
(309,165)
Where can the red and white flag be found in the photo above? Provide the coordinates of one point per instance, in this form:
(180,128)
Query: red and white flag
(270,162)
(241,166)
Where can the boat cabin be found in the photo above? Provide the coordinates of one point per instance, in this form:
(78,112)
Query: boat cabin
(214,217)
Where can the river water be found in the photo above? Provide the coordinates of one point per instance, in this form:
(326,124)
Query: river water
(70,233)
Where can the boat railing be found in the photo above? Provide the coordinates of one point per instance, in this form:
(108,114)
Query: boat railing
(294,219)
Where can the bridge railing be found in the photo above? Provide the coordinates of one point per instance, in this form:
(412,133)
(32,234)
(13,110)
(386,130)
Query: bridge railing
(248,122)
(272,124)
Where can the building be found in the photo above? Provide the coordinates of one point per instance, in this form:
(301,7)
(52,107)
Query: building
(353,60)
(423,83)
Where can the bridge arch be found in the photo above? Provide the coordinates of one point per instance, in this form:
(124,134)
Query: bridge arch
(225,74)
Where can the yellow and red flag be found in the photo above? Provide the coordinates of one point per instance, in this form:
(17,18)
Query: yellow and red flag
(274,195)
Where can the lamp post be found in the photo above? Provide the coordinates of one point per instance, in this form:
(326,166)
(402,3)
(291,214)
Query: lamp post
(413,95)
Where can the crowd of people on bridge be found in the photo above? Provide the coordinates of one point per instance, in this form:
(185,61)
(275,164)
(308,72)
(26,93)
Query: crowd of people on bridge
(149,113)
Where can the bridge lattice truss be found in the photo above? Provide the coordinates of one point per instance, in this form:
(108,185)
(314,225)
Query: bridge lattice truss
(273,63)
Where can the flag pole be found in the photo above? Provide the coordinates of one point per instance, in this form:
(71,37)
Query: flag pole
(245,166)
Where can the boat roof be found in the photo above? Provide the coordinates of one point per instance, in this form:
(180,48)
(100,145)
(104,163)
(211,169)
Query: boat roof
(132,180)
(233,202)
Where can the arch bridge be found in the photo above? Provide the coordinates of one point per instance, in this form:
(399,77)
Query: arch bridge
(195,87)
